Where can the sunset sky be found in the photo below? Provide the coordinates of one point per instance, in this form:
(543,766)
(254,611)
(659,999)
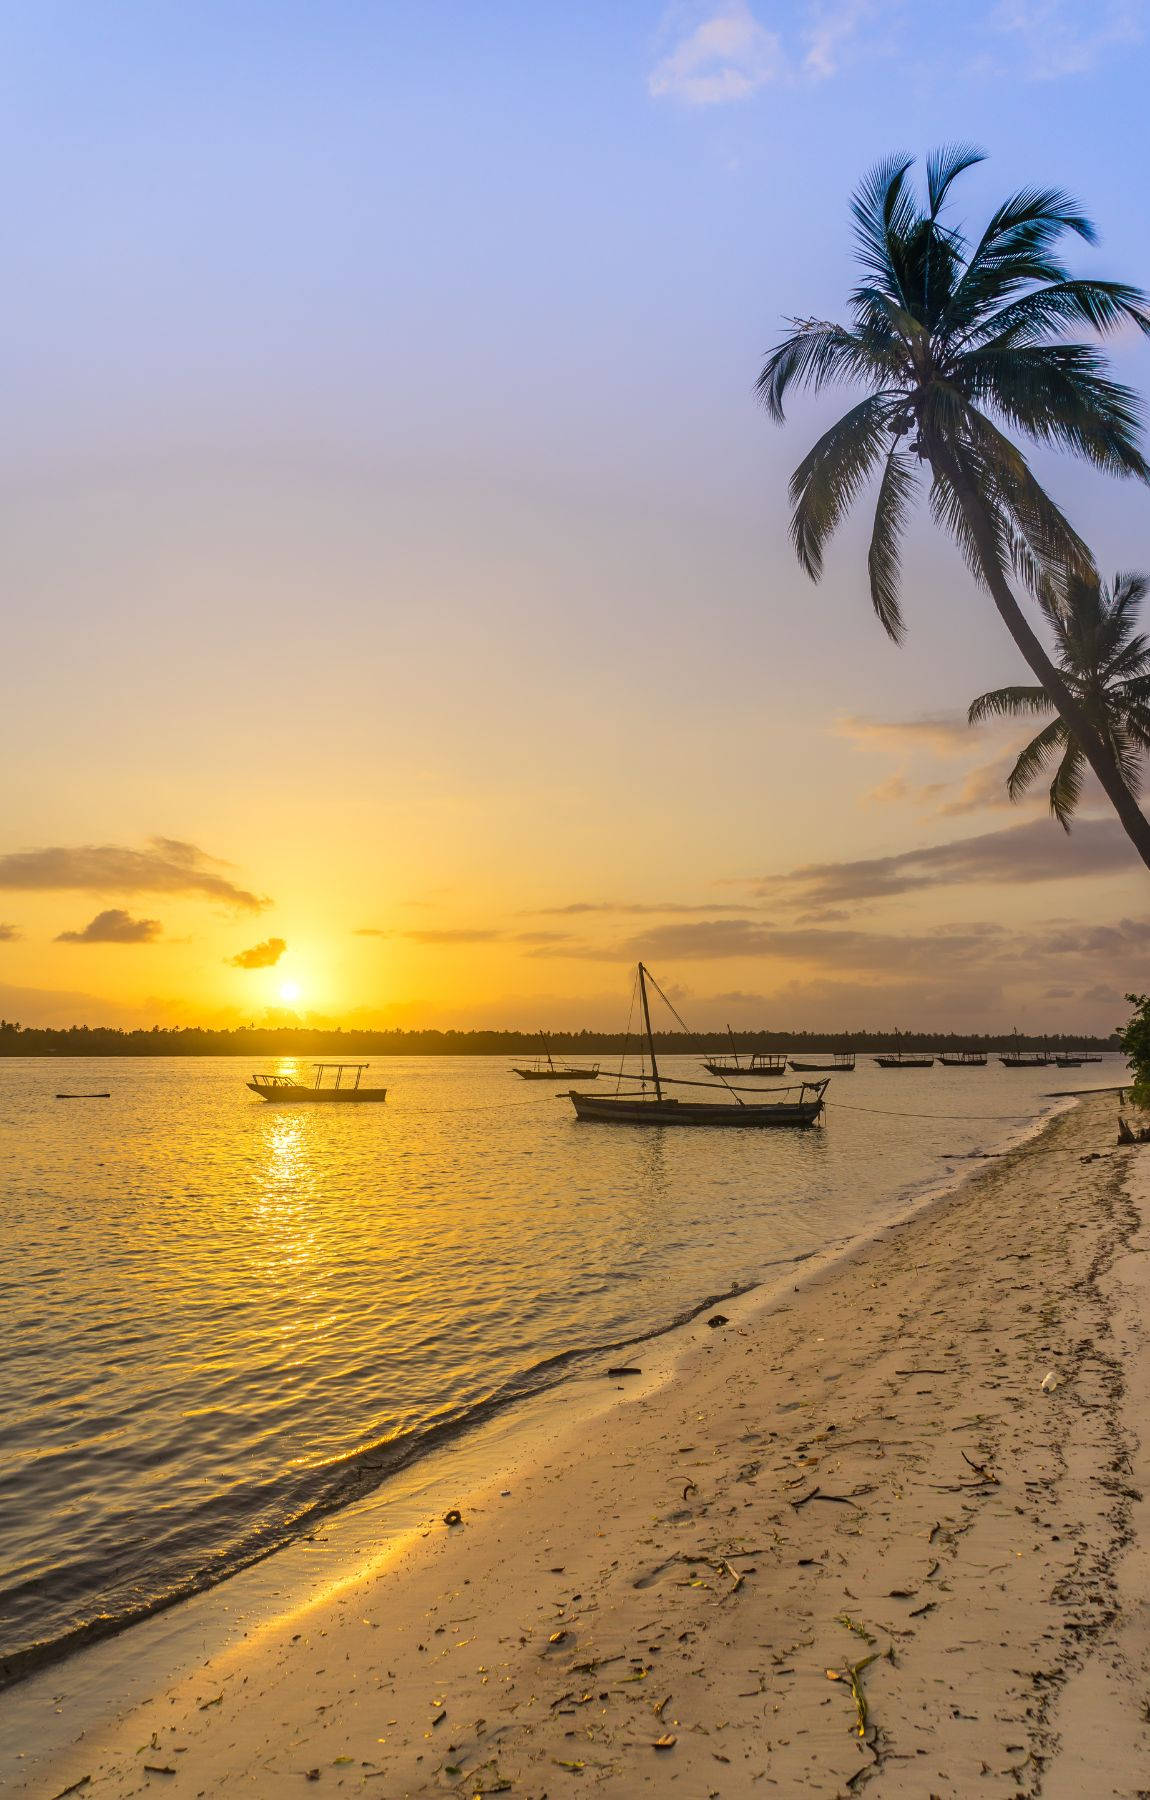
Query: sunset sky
(401,626)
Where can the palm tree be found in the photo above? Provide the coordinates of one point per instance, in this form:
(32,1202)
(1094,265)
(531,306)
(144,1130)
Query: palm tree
(949,338)
(1105,662)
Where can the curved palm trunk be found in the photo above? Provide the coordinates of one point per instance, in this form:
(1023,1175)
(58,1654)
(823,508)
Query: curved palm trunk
(1096,750)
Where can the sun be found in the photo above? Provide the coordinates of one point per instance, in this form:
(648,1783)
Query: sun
(289,992)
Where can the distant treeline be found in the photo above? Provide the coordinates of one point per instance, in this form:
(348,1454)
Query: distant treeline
(303,1040)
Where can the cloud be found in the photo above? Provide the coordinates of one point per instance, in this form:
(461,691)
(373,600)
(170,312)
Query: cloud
(466,934)
(828,37)
(260,956)
(943,733)
(114,927)
(167,866)
(8,934)
(1058,38)
(1036,851)
(641,907)
(728,55)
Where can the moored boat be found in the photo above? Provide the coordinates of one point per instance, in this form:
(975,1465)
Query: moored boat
(963,1059)
(286,1087)
(545,1068)
(842,1063)
(904,1059)
(757,1062)
(801,1104)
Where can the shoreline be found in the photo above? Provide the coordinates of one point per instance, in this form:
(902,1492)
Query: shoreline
(526,1390)
(611,1487)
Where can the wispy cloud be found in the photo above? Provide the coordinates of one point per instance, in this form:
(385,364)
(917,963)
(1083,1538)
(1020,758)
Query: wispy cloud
(8,934)
(939,734)
(260,956)
(114,926)
(1066,37)
(832,33)
(167,866)
(725,55)
(465,934)
(644,908)
(1035,851)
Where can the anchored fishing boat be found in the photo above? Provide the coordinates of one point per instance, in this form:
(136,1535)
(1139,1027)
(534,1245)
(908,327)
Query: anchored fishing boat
(963,1059)
(1017,1058)
(746,1062)
(286,1087)
(652,1105)
(842,1063)
(904,1059)
(544,1068)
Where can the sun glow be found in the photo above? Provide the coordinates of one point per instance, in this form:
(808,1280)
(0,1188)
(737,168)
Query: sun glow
(289,992)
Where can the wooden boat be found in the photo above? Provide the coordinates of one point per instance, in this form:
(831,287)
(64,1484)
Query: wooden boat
(284,1087)
(904,1059)
(756,1063)
(545,1069)
(797,1105)
(963,1059)
(1017,1058)
(1064,1060)
(842,1063)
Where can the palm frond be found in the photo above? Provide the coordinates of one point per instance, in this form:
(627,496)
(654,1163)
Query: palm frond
(1066,788)
(832,474)
(814,356)
(884,558)
(1034,758)
(1008,703)
(883,211)
(943,165)
(1104,306)
(1059,394)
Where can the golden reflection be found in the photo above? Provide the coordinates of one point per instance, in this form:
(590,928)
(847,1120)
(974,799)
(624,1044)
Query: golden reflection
(285,1205)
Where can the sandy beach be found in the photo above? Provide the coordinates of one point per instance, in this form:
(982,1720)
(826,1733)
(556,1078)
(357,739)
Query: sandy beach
(883,1532)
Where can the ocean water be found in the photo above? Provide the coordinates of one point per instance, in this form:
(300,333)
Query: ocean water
(219,1318)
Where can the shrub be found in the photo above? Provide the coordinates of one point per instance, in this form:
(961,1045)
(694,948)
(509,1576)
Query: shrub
(1134,1038)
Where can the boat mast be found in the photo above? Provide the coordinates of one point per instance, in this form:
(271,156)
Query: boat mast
(650,1034)
(547,1048)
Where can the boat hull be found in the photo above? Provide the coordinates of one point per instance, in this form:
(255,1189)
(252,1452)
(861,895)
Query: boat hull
(963,1062)
(307,1096)
(732,1070)
(806,1068)
(604,1110)
(905,1062)
(557,1074)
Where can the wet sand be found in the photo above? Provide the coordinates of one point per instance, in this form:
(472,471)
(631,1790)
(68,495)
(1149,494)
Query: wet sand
(844,1542)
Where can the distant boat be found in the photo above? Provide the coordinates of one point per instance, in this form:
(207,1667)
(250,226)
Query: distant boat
(842,1063)
(1064,1059)
(544,1068)
(746,1062)
(1017,1058)
(799,1105)
(904,1059)
(963,1059)
(284,1087)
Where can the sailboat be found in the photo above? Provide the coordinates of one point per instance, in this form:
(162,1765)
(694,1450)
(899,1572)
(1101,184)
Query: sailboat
(746,1062)
(904,1059)
(1017,1058)
(963,1059)
(800,1105)
(544,1068)
(842,1063)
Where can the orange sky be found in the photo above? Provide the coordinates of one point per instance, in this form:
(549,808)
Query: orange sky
(385,513)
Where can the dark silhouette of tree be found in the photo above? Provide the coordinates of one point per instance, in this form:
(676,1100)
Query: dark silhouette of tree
(960,343)
(1105,662)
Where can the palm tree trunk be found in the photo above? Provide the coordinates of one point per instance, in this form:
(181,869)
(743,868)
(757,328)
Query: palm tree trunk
(1096,750)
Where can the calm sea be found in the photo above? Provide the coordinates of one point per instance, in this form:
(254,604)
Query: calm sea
(218,1317)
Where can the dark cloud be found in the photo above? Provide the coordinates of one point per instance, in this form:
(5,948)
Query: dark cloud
(8,934)
(260,956)
(114,927)
(641,908)
(1036,851)
(167,866)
